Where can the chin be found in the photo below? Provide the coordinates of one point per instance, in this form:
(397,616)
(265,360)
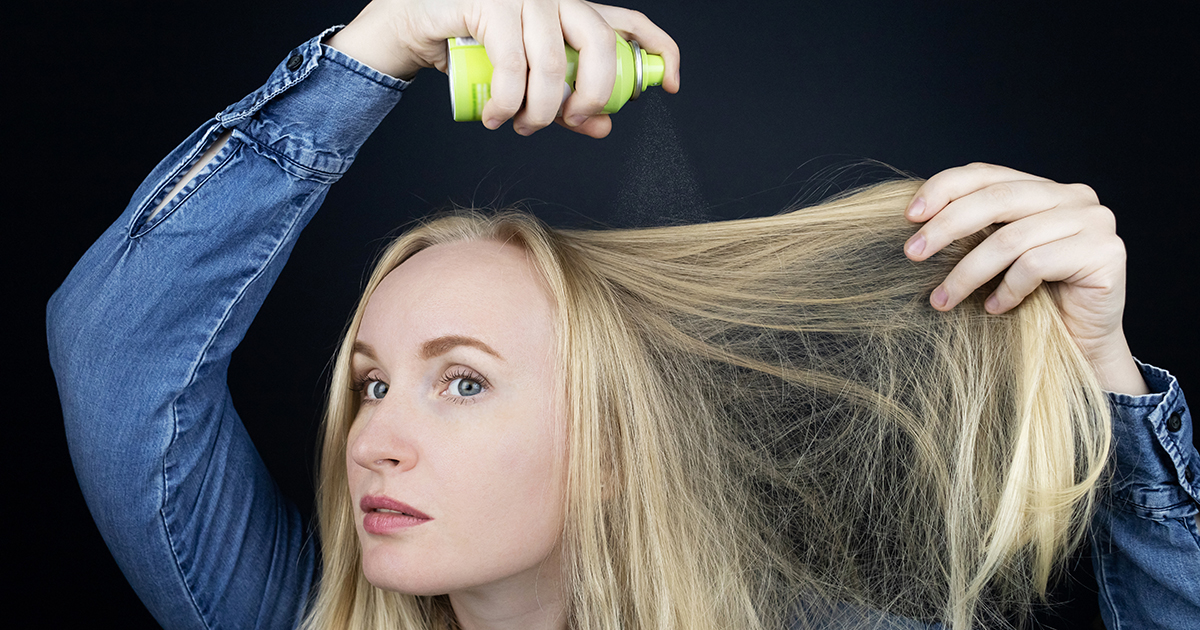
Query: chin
(408,578)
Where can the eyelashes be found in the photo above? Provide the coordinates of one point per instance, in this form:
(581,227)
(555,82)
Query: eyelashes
(360,383)
(459,385)
(460,377)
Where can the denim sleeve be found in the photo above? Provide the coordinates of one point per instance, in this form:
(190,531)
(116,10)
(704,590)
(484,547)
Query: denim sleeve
(1145,543)
(141,331)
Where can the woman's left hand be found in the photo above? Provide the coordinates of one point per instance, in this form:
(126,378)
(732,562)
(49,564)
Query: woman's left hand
(1051,232)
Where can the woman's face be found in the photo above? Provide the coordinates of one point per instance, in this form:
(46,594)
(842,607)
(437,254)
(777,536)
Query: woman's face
(460,422)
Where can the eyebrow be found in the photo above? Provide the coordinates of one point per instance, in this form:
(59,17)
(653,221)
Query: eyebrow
(365,349)
(446,343)
(434,347)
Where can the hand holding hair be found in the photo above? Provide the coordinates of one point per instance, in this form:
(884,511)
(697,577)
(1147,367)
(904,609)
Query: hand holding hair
(524,40)
(1051,232)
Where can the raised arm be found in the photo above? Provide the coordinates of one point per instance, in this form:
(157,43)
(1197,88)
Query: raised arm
(141,333)
(142,330)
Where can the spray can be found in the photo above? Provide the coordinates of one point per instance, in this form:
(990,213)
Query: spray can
(471,76)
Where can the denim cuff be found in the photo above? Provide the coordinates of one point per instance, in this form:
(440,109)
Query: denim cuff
(316,109)
(1154,462)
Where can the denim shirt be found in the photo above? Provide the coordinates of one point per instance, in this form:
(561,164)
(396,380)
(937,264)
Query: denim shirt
(141,333)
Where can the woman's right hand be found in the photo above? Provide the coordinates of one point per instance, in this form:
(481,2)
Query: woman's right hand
(524,40)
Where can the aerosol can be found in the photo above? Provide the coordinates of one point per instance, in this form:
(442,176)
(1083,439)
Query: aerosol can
(471,76)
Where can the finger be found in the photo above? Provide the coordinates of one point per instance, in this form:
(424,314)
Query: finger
(596,126)
(997,252)
(953,183)
(1006,247)
(507,56)
(1002,202)
(595,40)
(547,61)
(1069,260)
(634,25)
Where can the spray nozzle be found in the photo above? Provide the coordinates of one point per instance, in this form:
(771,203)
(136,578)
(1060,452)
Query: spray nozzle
(653,69)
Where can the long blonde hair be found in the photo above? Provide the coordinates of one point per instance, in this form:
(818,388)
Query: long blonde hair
(770,427)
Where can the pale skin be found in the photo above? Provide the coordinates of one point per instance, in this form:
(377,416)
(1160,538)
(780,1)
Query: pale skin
(1055,233)
(462,420)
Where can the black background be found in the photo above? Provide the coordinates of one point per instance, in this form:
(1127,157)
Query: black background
(781,101)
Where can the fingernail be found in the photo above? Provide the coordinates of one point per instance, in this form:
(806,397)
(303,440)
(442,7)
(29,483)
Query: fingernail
(992,304)
(940,297)
(916,208)
(676,77)
(576,120)
(493,123)
(915,245)
(521,130)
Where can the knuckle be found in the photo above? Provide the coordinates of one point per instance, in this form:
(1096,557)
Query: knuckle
(1114,249)
(1085,192)
(1009,238)
(592,101)
(606,39)
(1102,217)
(1043,261)
(553,66)
(634,14)
(954,283)
(1001,192)
(510,61)
(1031,264)
(954,224)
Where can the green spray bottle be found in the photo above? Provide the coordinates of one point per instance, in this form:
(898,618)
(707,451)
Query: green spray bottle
(471,76)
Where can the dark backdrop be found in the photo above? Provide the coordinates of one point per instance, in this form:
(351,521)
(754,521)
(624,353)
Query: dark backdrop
(781,101)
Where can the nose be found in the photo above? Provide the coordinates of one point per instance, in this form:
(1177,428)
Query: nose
(378,441)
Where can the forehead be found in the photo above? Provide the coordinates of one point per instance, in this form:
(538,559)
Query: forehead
(483,289)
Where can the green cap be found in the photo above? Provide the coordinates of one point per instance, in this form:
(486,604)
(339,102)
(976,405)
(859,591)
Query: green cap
(653,69)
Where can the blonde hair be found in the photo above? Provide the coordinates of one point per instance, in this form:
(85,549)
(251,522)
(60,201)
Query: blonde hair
(770,427)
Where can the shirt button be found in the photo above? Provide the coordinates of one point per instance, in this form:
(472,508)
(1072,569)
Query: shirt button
(1188,475)
(294,62)
(1174,422)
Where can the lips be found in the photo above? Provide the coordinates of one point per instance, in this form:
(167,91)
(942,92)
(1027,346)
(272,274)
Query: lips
(374,504)
(382,515)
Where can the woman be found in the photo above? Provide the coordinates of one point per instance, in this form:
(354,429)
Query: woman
(206,539)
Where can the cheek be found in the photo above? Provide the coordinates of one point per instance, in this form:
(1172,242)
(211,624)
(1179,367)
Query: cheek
(517,465)
(514,480)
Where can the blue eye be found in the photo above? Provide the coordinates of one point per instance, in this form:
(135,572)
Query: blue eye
(464,387)
(375,390)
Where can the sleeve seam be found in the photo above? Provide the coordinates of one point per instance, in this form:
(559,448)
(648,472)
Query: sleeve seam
(333,55)
(1106,600)
(319,176)
(192,373)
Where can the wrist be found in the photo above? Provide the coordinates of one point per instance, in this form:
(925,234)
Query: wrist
(1116,369)
(367,40)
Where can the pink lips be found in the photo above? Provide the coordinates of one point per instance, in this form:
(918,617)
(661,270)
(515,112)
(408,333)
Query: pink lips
(399,515)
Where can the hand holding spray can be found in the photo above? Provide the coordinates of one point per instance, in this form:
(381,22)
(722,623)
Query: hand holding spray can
(471,76)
